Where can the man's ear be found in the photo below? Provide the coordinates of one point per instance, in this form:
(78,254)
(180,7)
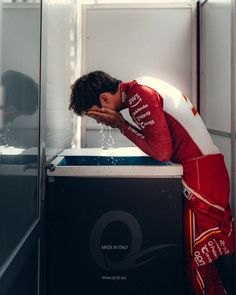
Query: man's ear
(104,100)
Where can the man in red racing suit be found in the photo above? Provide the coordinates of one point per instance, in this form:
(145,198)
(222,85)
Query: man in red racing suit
(168,127)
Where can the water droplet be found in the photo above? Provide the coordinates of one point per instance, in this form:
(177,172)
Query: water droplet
(106,140)
(4,135)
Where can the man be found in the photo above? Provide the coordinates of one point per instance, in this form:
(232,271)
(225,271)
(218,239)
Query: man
(19,99)
(168,127)
(20,95)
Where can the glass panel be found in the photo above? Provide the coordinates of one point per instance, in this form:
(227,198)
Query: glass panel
(25,282)
(217,64)
(19,120)
(59,24)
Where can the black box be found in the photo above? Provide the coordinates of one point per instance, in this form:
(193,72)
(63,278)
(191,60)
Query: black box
(114,236)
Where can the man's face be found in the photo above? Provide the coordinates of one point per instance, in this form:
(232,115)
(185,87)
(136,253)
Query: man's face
(94,108)
(8,112)
(109,101)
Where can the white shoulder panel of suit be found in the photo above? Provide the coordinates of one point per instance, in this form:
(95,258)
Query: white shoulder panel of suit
(180,108)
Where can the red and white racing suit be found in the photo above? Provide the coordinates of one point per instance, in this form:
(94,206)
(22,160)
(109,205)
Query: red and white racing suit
(170,128)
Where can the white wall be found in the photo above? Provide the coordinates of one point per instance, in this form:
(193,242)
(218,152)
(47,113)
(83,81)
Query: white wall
(217,61)
(20,39)
(128,41)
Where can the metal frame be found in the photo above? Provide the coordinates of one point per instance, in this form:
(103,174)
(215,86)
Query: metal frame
(190,4)
(21,5)
(233,92)
(233,111)
(198,58)
(30,241)
(194,54)
(201,62)
(219,133)
(42,147)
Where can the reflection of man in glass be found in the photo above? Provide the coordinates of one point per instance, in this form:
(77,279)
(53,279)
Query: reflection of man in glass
(20,101)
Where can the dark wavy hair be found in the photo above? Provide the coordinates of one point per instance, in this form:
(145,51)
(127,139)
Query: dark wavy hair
(21,91)
(86,90)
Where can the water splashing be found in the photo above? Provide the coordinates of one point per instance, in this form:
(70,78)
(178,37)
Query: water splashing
(107,141)
(4,135)
(110,140)
(102,135)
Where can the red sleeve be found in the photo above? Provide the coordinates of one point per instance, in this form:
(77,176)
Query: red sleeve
(153,135)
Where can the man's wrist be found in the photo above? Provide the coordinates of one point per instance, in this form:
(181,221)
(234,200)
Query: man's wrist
(123,125)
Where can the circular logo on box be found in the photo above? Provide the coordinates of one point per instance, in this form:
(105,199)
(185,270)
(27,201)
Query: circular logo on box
(130,255)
